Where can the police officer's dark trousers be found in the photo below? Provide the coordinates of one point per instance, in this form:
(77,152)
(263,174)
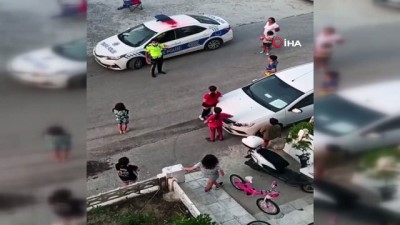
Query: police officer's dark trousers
(156,62)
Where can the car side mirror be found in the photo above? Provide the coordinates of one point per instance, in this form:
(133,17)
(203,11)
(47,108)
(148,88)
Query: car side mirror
(296,110)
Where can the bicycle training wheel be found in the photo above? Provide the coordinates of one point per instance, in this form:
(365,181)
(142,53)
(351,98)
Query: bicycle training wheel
(234,179)
(309,188)
(258,223)
(268,206)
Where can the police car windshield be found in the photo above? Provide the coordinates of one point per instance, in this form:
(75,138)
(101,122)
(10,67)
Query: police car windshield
(272,93)
(75,50)
(136,36)
(204,19)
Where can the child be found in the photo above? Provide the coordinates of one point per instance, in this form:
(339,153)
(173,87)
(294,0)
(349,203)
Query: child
(267,42)
(58,140)
(214,122)
(128,173)
(210,169)
(272,65)
(122,117)
(330,83)
(210,100)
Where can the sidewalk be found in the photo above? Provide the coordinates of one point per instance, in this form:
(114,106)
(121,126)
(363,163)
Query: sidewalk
(225,210)
(217,203)
(296,206)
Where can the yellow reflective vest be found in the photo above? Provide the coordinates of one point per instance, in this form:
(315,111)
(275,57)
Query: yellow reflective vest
(155,51)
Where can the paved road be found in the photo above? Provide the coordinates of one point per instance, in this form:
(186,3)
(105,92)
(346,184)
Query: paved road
(165,129)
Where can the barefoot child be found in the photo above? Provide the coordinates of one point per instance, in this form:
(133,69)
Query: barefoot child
(210,169)
(267,42)
(214,122)
(272,65)
(210,100)
(126,172)
(58,140)
(122,117)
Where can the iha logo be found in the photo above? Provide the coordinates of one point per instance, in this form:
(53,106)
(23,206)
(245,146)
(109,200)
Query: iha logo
(279,42)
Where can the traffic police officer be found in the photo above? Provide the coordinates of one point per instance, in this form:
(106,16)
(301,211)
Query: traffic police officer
(155,51)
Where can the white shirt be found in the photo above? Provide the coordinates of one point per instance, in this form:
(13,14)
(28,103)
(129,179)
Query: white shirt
(323,39)
(269,27)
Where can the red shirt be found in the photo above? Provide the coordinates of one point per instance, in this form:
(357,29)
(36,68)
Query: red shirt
(214,123)
(212,100)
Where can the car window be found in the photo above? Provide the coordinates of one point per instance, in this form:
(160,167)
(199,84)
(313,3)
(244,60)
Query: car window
(393,124)
(308,100)
(204,19)
(166,36)
(272,93)
(337,116)
(75,50)
(136,36)
(187,31)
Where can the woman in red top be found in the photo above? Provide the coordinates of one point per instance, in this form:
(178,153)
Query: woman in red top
(209,100)
(214,122)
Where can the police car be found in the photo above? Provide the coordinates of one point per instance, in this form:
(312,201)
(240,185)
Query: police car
(180,33)
(59,66)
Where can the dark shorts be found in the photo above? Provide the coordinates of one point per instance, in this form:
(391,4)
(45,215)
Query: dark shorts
(269,45)
(208,106)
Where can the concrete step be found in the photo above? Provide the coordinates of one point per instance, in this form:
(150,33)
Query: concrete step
(221,207)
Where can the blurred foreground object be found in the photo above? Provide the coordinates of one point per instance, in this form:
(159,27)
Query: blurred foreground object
(325,42)
(60,66)
(73,7)
(359,119)
(68,209)
(59,141)
(389,3)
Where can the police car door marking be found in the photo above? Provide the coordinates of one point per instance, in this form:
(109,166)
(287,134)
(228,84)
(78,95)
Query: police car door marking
(214,28)
(133,55)
(108,47)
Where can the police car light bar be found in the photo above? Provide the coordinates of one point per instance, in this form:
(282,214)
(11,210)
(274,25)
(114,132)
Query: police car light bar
(165,19)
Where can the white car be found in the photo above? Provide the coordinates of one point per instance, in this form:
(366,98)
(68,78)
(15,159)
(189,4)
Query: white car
(181,34)
(359,119)
(287,96)
(60,66)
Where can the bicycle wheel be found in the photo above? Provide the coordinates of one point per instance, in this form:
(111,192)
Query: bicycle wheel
(258,223)
(309,188)
(234,179)
(268,206)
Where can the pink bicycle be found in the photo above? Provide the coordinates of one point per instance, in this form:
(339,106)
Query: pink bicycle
(264,204)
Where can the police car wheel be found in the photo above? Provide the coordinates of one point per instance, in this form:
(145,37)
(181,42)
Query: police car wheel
(136,63)
(213,44)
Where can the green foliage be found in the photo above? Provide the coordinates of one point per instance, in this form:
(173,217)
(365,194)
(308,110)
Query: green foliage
(135,219)
(302,145)
(180,219)
(369,159)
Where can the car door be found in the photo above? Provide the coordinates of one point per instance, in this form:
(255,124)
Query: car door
(300,110)
(190,38)
(169,39)
(381,135)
